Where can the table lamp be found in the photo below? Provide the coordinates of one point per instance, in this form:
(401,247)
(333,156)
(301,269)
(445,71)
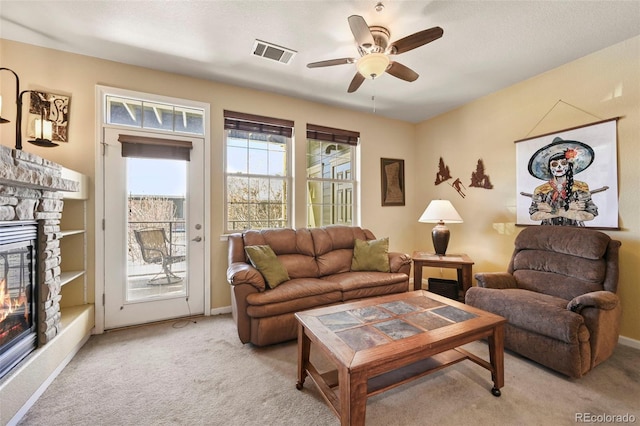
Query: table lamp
(440,211)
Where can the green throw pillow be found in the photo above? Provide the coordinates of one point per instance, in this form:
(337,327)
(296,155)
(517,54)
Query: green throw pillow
(372,255)
(264,260)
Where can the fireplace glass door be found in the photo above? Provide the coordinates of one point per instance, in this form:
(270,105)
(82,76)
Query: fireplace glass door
(17,297)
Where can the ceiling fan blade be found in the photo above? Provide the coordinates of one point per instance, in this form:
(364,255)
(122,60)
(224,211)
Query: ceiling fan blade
(361,31)
(331,62)
(355,83)
(415,40)
(402,72)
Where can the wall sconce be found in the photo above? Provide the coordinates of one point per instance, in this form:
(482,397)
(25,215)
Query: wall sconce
(44,128)
(439,211)
(18,110)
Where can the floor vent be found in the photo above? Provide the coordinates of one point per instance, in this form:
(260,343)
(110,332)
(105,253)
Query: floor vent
(273,52)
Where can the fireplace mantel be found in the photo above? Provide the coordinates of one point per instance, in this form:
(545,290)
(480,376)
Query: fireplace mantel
(26,170)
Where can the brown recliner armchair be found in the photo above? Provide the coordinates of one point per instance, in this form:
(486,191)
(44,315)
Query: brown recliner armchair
(559,297)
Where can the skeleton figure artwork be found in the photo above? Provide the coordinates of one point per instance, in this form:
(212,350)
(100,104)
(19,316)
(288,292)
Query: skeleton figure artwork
(562,200)
(569,177)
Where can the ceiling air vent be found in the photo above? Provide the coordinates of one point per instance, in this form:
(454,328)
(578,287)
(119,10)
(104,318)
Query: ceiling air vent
(273,52)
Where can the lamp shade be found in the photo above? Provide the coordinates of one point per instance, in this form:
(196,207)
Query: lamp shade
(372,65)
(440,211)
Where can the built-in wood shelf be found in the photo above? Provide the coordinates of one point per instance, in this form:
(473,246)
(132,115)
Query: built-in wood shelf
(72,232)
(68,276)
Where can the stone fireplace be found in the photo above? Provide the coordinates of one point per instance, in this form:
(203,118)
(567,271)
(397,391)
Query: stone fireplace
(31,192)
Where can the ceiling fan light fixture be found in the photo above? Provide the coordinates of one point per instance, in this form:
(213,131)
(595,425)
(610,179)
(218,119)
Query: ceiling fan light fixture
(372,65)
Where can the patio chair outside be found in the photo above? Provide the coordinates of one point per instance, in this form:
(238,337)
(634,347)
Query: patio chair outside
(157,249)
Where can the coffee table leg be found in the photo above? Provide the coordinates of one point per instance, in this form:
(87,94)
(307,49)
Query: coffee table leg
(304,347)
(496,355)
(353,397)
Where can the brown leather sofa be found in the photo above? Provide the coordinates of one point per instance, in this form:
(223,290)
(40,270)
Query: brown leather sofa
(559,296)
(318,261)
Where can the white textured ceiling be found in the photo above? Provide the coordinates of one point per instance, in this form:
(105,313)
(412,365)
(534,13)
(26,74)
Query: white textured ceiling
(487,45)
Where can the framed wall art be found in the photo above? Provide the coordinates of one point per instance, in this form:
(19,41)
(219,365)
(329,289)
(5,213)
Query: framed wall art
(569,177)
(52,107)
(392,174)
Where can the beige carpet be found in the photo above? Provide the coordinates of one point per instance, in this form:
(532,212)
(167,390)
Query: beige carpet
(185,373)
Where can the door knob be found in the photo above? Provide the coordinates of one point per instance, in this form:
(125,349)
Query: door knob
(197,239)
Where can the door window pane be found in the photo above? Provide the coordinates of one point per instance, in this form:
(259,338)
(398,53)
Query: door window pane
(156,261)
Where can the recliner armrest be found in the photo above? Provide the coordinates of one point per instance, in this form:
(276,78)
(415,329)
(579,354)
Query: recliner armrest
(604,300)
(244,273)
(498,280)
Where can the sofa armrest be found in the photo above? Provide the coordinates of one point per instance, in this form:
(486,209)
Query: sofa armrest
(498,280)
(604,300)
(244,273)
(399,262)
(239,305)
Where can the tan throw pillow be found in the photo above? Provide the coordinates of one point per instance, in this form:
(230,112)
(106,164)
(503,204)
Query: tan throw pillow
(264,260)
(372,255)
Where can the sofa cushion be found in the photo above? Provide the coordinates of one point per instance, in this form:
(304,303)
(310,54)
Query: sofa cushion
(371,255)
(334,247)
(293,296)
(294,248)
(264,260)
(282,241)
(334,262)
(358,285)
(299,265)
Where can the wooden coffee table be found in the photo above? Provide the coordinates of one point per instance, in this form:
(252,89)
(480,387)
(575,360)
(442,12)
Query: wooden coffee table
(380,343)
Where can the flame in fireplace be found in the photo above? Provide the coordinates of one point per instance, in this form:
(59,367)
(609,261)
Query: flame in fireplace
(10,305)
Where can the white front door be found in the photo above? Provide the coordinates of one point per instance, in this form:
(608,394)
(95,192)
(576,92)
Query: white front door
(154,236)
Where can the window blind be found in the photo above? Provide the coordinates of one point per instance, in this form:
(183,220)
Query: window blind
(256,123)
(330,134)
(148,147)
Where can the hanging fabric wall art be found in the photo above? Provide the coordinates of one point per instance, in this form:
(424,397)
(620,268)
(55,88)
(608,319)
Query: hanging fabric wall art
(569,177)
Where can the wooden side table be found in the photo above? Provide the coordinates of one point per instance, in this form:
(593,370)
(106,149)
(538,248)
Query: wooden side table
(461,262)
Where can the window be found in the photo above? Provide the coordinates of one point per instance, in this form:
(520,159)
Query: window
(331,177)
(257,172)
(154,115)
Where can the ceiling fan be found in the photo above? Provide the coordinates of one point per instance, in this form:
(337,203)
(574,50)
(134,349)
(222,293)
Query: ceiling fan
(374,49)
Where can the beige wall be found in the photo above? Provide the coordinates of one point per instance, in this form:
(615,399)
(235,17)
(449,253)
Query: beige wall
(77,76)
(605,84)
